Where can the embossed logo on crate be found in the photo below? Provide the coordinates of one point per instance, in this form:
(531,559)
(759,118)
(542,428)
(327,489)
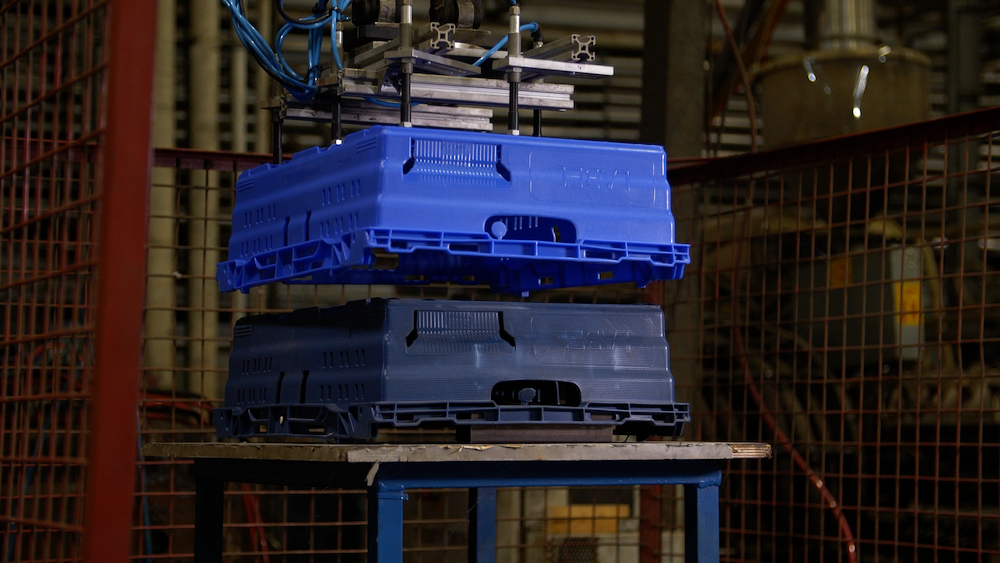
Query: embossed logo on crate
(597,180)
(621,342)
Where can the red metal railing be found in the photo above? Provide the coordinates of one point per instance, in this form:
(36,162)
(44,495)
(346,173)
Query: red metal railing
(74,125)
(125,162)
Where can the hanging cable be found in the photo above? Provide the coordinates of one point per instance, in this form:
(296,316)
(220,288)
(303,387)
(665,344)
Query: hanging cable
(333,45)
(314,25)
(259,48)
(302,87)
(387,104)
(341,6)
(320,18)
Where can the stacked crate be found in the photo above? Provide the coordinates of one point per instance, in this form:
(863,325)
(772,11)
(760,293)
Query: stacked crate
(404,206)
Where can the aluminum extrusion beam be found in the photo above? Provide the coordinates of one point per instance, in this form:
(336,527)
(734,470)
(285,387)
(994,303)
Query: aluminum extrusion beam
(536,68)
(432,37)
(570,48)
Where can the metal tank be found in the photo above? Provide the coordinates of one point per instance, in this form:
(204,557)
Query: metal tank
(850,84)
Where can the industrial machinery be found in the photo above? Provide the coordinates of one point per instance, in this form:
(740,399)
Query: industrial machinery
(851,83)
(446,74)
(431,195)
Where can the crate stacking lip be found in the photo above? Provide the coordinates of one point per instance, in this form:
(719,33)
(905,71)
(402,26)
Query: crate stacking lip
(361,421)
(395,205)
(344,372)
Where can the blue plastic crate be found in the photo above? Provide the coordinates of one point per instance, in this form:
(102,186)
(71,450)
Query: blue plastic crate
(342,373)
(396,205)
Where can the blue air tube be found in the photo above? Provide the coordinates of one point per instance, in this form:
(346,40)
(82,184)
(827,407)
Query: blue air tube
(526,27)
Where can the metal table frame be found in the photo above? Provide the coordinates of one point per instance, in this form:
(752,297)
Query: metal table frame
(390,470)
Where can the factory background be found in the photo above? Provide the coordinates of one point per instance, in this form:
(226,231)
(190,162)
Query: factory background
(840,303)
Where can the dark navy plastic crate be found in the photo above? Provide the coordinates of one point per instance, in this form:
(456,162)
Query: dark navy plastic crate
(396,205)
(342,373)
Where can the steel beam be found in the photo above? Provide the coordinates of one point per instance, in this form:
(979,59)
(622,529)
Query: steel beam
(125,163)
(701,522)
(674,104)
(385,519)
(162,285)
(483,525)
(673,76)
(203,228)
(208,518)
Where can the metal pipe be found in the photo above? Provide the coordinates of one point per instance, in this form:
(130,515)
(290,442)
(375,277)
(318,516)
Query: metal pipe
(125,161)
(514,75)
(965,40)
(160,347)
(513,112)
(514,34)
(538,47)
(238,96)
(203,318)
(848,24)
(276,136)
(405,101)
(336,120)
(262,82)
(811,13)
(262,90)
(406,68)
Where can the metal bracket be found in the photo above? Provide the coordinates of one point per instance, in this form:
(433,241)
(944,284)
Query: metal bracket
(537,68)
(433,63)
(360,112)
(433,37)
(434,88)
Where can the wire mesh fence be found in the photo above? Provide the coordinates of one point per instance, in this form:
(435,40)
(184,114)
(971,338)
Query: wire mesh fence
(841,305)
(52,70)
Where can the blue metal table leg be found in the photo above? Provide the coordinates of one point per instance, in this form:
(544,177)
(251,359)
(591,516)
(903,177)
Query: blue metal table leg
(701,522)
(208,501)
(483,525)
(385,523)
